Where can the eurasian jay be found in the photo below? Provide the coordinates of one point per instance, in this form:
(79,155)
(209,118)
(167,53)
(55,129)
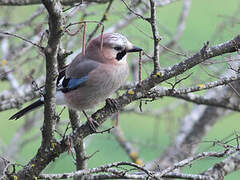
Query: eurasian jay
(93,77)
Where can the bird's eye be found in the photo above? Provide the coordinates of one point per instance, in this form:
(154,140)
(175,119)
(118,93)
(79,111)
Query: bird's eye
(118,48)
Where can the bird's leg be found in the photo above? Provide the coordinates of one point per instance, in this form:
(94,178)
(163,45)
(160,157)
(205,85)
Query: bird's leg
(113,105)
(92,124)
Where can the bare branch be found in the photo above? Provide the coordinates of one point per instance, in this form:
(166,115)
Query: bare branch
(210,101)
(22,38)
(156,37)
(159,92)
(79,147)
(195,125)
(225,167)
(114,173)
(132,11)
(32,2)
(55,29)
(55,26)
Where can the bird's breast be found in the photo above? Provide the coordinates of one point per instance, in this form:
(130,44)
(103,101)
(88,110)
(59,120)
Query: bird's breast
(101,84)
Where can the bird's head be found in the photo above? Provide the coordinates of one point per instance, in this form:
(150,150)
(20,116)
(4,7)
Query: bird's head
(114,48)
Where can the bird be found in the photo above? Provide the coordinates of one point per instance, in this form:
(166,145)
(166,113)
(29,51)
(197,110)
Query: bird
(93,76)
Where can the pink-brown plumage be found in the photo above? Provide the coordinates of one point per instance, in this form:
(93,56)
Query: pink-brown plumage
(94,76)
(103,81)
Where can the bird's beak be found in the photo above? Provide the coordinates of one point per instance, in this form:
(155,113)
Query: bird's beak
(134,49)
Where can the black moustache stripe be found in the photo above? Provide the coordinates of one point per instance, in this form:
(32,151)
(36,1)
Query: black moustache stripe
(121,55)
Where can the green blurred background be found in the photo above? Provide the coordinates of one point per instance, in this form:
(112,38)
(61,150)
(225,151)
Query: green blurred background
(149,135)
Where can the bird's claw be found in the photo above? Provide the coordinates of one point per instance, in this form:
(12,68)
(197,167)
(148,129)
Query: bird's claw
(92,124)
(112,104)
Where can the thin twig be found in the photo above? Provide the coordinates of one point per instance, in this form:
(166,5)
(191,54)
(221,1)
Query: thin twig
(22,38)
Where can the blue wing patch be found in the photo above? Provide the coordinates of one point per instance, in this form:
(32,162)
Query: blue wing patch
(75,82)
(72,83)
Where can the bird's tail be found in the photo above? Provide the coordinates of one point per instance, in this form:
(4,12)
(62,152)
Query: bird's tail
(27,109)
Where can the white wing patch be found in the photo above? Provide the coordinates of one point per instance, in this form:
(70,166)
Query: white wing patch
(60,82)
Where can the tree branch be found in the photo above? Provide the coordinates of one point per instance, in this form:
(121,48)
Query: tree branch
(156,38)
(195,125)
(36,165)
(79,148)
(32,2)
(111,170)
(225,167)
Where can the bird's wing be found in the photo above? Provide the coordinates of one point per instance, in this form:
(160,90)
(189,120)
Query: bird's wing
(77,73)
